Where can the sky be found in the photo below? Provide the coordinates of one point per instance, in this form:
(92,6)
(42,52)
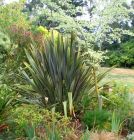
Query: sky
(8,1)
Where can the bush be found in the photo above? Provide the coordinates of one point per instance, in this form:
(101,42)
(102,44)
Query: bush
(34,117)
(7,100)
(11,14)
(57,69)
(123,56)
(120,100)
(4,46)
(98,119)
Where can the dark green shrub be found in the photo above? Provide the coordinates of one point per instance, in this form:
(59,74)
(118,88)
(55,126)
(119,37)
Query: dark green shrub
(56,69)
(114,58)
(4,46)
(97,119)
(122,56)
(7,100)
(129,124)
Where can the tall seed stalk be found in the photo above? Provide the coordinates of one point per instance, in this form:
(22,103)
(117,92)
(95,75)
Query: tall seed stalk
(97,90)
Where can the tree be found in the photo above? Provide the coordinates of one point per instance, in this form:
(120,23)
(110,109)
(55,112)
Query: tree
(11,14)
(55,13)
(121,53)
(101,15)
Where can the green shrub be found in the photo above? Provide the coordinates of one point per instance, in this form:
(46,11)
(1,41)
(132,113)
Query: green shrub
(11,14)
(7,100)
(10,59)
(85,135)
(114,58)
(98,119)
(56,69)
(115,123)
(120,100)
(4,46)
(34,116)
(123,56)
(129,124)
(46,133)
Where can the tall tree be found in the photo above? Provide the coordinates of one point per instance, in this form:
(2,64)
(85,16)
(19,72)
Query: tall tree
(96,26)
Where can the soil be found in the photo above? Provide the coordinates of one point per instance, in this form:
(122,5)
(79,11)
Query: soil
(122,71)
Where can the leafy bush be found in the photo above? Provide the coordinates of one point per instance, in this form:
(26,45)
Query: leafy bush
(20,35)
(120,100)
(97,119)
(34,116)
(4,41)
(11,14)
(123,56)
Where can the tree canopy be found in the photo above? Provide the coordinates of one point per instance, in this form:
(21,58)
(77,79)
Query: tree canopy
(95,21)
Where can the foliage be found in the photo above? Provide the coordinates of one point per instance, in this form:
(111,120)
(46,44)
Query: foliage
(123,56)
(120,100)
(36,117)
(19,29)
(94,23)
(6,97)
(129,124)
(98,119)
(130,136)
(7,102)
(4,41)
(52,133)
(14,23)
(24,37)
(4,46)
(11,14)
(60,72)
(42,30)
(94,58)
(56,69)
(115,124)
(48,133)
(20,35)
(99,25)
(86,135)
(52,9)
(13,32)
(30,132)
